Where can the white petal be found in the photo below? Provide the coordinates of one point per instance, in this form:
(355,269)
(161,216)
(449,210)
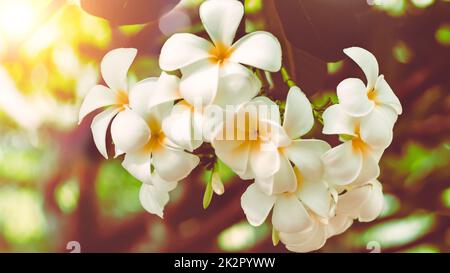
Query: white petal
(316,196)
(338,224)
(309,240)
(199,83)
(314,240)
(350,202)
(366,61)
(158,114)
(284,180)
(376,130)
(342,164)
(376,155)
(246,174)
(289,215)
(153,200)
(183,49)
(259,49)
(298,116)
(306,155)
(115,67)
(162,184)
(167,89)
(180,127)
(264,159)
(336,121)
(237,85)
(221,19)
(388,111)
(99,96)
(117,152)
(256,205)
(295,238)
(265,107)
(274,133)
(138,165)
(99,127)
(373,206)
(172,164)
(369,170)
(352,95)
(152,92)
(129,131)
(385,95)
(141,94)
(235,154)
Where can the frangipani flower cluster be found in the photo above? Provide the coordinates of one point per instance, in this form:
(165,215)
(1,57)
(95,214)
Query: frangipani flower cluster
(310,190)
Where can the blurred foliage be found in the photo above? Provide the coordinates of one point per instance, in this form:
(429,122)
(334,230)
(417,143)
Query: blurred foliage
(398,232)
(67,195)
(443,34)
(242,236)
(391,205)
(22,219)
(418,162)
(55,188)
(117,190)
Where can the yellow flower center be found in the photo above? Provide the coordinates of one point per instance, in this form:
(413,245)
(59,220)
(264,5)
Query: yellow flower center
(357,143)
(122,99)
(219,53)
(155,143)
(372,95)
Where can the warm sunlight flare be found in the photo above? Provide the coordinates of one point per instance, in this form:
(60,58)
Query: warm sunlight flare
(17,18)
(234,127)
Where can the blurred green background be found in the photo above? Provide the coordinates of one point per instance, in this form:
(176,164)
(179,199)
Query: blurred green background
(55,188)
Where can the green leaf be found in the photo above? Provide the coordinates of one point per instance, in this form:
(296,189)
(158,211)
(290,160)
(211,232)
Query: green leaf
(207,197)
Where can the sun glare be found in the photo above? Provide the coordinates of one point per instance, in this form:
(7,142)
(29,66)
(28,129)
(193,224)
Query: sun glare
(16,18)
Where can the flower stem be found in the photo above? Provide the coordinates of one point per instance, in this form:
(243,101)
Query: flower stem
(286,77)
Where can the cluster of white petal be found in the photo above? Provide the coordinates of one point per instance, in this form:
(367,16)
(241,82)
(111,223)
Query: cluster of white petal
(136,116)
(311,190)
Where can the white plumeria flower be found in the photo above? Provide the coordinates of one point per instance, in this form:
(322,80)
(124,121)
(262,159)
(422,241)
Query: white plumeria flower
(184,125)
(128,130)
(152,100)
(159,163)
(295,192)
(268,155)
(189,125)
(154,196)
(292,211)
(355,160)
(315,237)
(215,72)
(364,202)
(374,100)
